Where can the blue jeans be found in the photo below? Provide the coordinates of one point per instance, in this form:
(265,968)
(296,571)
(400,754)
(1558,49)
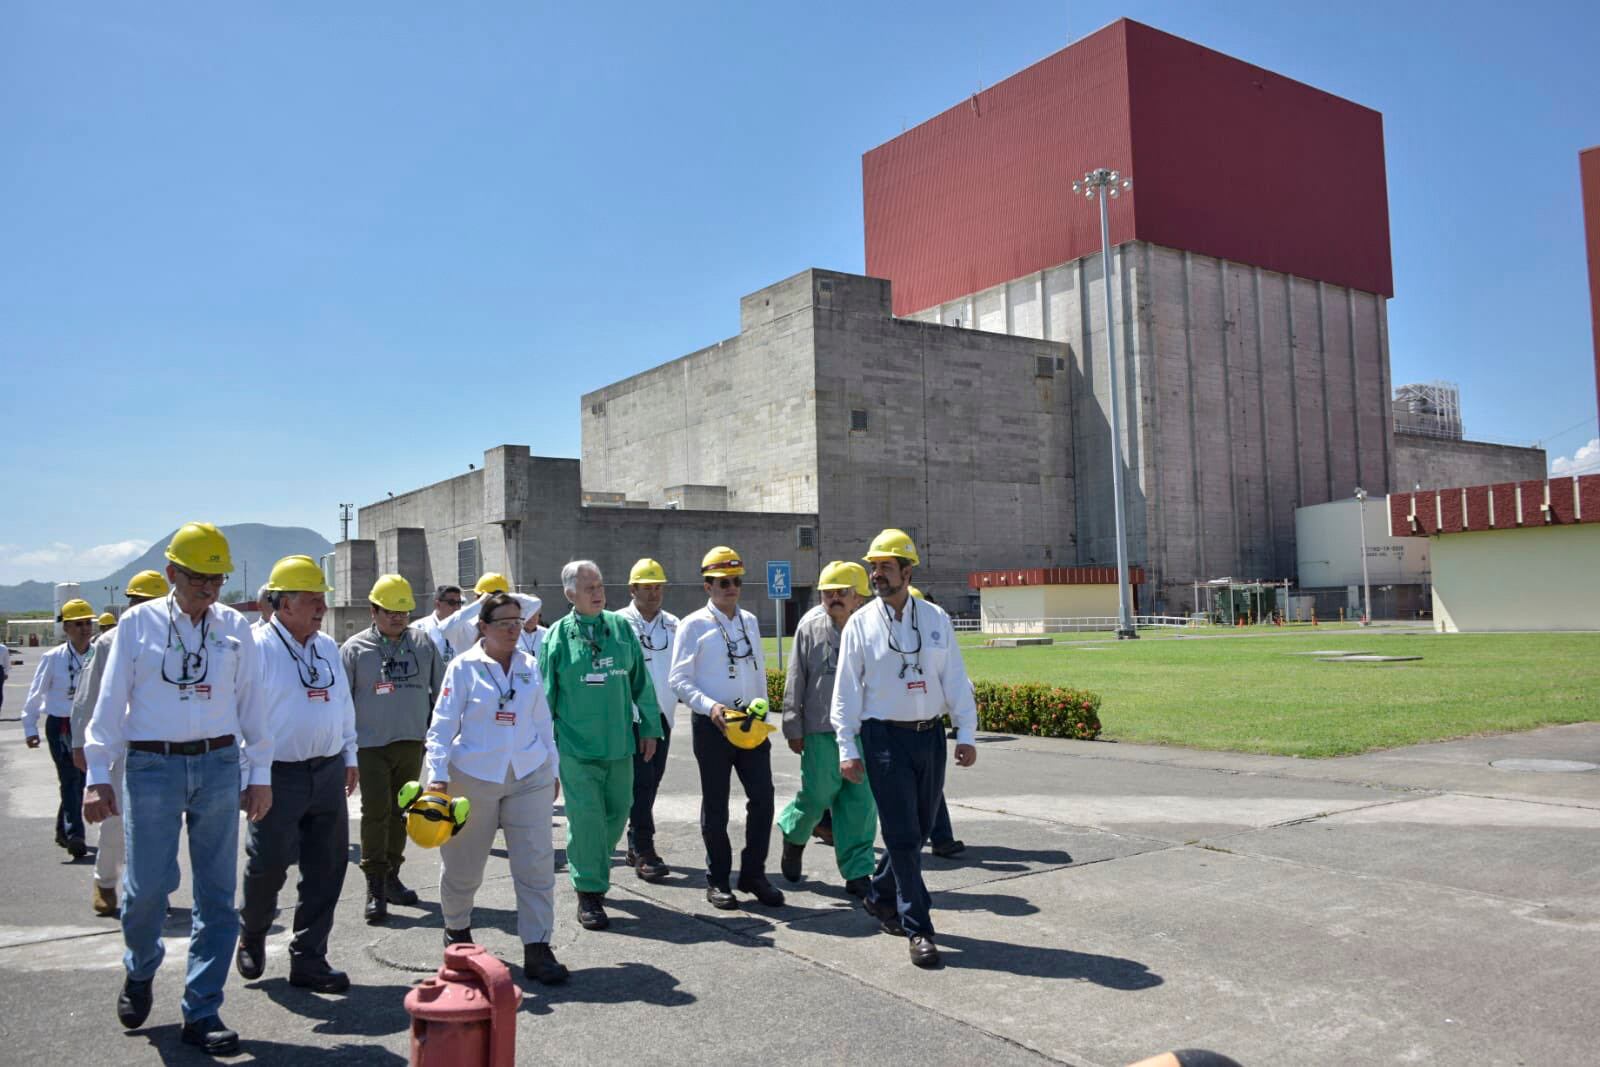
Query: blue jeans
(69,817)
(160,795)
(905,769)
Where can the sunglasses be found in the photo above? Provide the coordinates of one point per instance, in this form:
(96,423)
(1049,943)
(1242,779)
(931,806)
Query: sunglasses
(726,583)
(455,603)
(213,581)
(78,622)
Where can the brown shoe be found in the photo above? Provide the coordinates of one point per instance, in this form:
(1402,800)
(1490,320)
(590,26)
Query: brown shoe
(105,902)
(923,952)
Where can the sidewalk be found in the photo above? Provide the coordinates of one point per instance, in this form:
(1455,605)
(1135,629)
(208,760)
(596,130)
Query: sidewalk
(1412,906)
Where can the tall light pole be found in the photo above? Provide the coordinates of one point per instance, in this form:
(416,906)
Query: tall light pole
(1104,182)
(1366,589)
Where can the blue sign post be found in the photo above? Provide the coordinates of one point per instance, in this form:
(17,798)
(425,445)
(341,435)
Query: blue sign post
(779,589)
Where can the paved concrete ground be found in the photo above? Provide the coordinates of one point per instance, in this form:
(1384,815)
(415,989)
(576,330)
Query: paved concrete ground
(1413,906)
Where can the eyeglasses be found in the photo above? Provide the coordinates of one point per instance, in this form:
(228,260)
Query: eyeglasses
(394,614)
(726,583)
(451,603)
(213,581)
(513,623)
(79,622)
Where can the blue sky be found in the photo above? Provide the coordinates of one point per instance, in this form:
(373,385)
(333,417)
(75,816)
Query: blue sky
(256,260)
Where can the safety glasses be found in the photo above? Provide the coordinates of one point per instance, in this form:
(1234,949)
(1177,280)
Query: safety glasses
(726,583)
(205,581)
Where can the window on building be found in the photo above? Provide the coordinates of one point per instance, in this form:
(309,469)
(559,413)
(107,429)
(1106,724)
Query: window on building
(858,420)
(805,536)
(467,563)
(1044,367)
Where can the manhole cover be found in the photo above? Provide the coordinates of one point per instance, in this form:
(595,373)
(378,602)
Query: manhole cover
(1544,766)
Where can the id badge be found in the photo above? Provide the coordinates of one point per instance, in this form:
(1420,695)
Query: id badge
(920,688)
(383,688)
(505,718)
(595,678)
(194,692)
(317,694)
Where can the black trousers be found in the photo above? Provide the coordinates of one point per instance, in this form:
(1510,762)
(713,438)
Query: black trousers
(646,780)
(906,771)
(718,758)
(308,825)
(69,816)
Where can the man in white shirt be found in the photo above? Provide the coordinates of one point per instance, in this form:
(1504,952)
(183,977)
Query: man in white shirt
(656,630)
(533,631)
(446,602)
(263,607)
(180,690)
(55,683)
(144,586)
(900,672)
(717,664)
(313,770)
(460,630)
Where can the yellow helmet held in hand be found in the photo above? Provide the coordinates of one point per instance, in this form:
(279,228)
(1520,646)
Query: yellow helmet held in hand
(297,574)
(841,574)
(894,544)
(748,727)
(74,610)
(200,547)
(721,562)
(106,620)
(647,572)
(392,593)
(492,582)
(432,818)
(148,584)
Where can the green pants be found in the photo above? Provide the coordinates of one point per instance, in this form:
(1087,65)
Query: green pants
(855,816)
(384,769)
(598,794)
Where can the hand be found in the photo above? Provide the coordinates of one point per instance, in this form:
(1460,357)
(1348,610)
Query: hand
(797,745)
(99,804)
(33,741)
(647,748)
(853,770)
(439,787)
(966,755)
(78,761)
(719,719)
(351,777)
(256,801)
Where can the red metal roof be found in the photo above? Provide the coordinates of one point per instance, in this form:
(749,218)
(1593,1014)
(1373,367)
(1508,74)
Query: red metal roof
(1502,506)
(1228,160)
(1052,576)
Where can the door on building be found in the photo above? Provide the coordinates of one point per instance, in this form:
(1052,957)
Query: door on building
(796,606)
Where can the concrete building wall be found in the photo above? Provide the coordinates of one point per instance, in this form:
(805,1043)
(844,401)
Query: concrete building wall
(1433,463)
(1535,578)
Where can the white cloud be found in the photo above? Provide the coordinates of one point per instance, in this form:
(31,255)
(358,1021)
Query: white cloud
(1585,460)
(61,562)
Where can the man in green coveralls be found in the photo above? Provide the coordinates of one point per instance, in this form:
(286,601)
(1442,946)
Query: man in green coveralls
(594,673)
(807,701)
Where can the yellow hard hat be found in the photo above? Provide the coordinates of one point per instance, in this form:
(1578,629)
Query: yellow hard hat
(647,572)
(841,574)
(721,562)
(492,582)
(432,818)
(297,574)
(748,727)
(147,584)
(200,547)
(914,591)
(73,610)
(894,544)
(392,593)
(107,619)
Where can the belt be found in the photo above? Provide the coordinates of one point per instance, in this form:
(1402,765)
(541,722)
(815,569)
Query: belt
(918,725)
(182,748)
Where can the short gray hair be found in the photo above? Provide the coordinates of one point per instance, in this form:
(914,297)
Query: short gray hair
(261,594)
(569,574)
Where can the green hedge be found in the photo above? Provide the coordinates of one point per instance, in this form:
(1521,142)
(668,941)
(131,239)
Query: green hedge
(1029,708)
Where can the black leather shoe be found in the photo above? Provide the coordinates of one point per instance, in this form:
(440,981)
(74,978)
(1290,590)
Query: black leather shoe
(251,959)
(631,858)
(763,890)
(719,897)
(76,848)
(790,864)
(318,977)
(61,839)
(888,916)
(211,1036)
(923,952)
(541,965)
(946,849)
(592,911)
(650,867)
(462,936)
(376,911)
(858,887)
(397,893)
(133,1003)
(824,834)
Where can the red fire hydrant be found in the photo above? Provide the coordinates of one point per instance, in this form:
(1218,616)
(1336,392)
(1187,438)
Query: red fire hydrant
(466,1015)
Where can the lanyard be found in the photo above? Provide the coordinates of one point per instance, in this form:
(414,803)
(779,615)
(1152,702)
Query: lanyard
(744,635)
(529,643)
(305,665)
(74,668)
(905,663)
(591,640)
(506,695)
(189,661)
(646,632)
(397,664)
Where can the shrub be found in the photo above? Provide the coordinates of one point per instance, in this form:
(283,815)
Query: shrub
(775,689)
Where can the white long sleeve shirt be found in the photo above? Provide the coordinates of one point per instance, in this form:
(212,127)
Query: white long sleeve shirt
(461,629)
(163,682)
(488,720)
(905,670)
(307,695)
(94,669)
(433,627)
(531,643)
(55,682)
(658,638)
(717,660)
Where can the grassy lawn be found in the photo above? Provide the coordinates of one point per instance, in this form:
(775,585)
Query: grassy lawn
(1251,694)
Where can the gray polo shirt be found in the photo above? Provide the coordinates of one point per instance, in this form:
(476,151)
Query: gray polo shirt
(394,685)
(808,690)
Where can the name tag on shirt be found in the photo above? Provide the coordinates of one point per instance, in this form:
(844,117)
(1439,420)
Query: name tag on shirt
(382,688)
(595,678)
(505,718)
(916,687)
(194,692)
(318,694)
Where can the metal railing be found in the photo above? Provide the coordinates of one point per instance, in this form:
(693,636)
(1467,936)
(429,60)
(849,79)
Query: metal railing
(1074,624)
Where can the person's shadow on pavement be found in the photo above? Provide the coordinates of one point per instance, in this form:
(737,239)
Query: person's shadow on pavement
(1038,961)
(999,858)
(622,983)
